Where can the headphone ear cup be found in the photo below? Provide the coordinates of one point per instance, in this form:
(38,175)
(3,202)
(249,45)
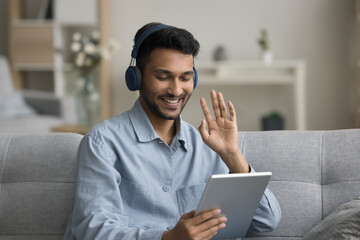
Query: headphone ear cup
(195,77)
(133,78)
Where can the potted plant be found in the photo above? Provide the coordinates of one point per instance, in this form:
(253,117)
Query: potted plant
(263,42)
(272,121)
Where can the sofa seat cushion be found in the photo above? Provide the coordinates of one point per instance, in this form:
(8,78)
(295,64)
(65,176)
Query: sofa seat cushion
(342,223)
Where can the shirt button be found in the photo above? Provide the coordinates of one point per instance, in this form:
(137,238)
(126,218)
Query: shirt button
(166,188)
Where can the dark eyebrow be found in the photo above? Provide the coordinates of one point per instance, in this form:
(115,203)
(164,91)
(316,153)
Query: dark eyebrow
(164,71)
(189,73)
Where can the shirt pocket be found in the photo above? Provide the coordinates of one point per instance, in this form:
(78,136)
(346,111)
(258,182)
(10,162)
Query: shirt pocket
(189,197)
(138,199)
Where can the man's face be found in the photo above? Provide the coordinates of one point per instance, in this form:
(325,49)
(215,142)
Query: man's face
(167,83)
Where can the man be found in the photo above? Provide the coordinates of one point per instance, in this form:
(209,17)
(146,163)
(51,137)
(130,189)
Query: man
(141,174)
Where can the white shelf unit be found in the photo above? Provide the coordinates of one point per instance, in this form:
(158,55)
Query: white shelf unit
(239,73)
(40,47)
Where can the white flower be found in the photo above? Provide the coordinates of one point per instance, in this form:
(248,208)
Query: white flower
(77,36)
(96,35)
(90,48)
(80,59)
(75,46)
(87,53)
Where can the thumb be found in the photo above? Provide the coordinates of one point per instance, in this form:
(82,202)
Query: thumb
(188,215)
(203,131)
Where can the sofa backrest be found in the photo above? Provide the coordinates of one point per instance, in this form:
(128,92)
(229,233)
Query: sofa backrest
(37,176)
(313,173)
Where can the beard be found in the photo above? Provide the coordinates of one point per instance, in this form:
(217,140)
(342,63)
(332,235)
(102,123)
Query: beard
(155,109)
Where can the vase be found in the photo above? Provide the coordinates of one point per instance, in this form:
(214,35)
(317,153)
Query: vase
(87,102)
(267,56)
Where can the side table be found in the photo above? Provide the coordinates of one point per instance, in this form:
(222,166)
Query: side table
(71,128)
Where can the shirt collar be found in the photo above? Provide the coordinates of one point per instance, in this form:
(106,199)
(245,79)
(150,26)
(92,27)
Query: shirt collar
(180,134)
(144,129)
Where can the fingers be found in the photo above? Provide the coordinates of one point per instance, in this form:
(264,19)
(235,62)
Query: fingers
(213,224)
(232,112)
(204,216)
(212,231)
(219,107)
(209,223)
(218,103)
(222,106)
(202,226)
(215,104)
(206,110)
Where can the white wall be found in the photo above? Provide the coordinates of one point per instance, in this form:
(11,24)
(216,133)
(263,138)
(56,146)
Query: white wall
(319,31)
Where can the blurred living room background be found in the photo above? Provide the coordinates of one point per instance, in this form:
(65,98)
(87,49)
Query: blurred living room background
(289,60)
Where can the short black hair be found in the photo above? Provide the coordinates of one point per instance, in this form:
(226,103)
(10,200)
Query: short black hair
(171,38)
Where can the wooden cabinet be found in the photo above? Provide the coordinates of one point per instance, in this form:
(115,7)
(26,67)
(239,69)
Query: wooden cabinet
(41,46)
(32,44)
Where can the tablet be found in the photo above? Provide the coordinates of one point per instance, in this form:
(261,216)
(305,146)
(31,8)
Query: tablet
(238,196)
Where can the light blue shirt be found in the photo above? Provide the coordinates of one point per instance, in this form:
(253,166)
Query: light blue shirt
(132,185)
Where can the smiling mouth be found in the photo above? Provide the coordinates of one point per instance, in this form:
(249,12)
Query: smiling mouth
(172,101)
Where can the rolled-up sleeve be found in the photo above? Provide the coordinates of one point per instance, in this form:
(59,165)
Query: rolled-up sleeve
(98,208)
(268,214)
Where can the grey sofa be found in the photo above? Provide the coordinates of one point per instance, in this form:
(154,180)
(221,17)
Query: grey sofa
(313,173)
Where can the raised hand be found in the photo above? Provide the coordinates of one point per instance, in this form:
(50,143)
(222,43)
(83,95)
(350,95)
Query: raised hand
(222,133)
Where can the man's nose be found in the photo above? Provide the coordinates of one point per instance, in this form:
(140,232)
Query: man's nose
(175,87)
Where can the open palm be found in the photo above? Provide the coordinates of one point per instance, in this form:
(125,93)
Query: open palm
(221,135)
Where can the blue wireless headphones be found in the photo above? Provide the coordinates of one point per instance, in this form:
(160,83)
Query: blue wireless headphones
(133,74)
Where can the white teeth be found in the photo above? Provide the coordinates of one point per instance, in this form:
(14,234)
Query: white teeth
(172,101)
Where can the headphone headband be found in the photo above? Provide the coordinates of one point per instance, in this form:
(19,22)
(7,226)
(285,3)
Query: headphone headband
(144,35)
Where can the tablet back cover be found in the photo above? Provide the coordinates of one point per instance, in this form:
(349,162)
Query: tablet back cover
(238,196)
